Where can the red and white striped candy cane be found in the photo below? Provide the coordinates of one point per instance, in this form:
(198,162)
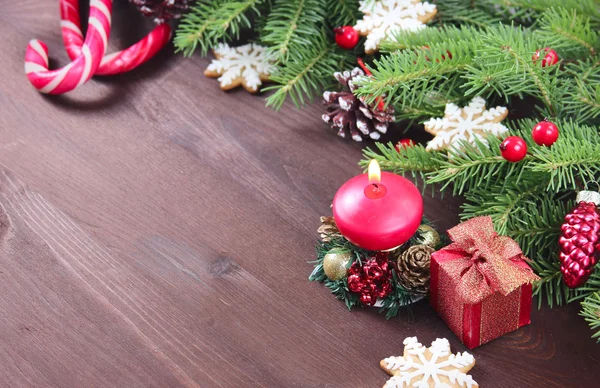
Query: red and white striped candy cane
(119,62)
(81,69)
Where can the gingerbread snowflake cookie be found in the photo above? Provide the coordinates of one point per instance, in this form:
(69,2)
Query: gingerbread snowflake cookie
(384,17)
(433,367)
(246,65)
(471,123)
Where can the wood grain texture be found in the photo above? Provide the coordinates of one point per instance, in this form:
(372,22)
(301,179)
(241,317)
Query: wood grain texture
(155,232)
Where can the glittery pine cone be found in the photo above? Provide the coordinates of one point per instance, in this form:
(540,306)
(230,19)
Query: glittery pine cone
(580,241)
(328,230)
(162,10)
(348,113)
(413,268)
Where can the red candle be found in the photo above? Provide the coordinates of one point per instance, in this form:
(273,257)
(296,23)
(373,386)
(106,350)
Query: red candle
(378,211)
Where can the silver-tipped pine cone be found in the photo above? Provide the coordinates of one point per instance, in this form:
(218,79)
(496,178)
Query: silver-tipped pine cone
(162,10)
(350,114)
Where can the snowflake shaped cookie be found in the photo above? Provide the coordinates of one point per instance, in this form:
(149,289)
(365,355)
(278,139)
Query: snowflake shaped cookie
(472,122)
(245,65)
(433,367)
(382,18)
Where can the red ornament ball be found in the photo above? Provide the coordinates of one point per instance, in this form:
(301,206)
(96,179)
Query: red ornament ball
(513,149)
(404,143)
(550,57)
(545,133)
(346,37)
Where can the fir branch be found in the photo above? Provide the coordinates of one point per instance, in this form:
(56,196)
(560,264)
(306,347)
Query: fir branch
(470,166)
(521,210)
(582,94)
(533,9)
(209,22)
(306,72)
(404,39)
(292,23)
(414,159)
(401,73)
(574,158)
(503,202)
(537,227)
(551,286)
(464,13)
(591,313)
(569,33)
(342,12)
(589,287)
(504,65)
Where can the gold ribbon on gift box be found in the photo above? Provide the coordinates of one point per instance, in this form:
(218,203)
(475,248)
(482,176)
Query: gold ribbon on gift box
(490,263)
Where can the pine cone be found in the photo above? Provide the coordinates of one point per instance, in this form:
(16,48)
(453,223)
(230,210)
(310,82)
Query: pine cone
(162,10)
(413,268)
(328,230)
(348,113)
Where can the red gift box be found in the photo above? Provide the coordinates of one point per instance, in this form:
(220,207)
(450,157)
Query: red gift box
(481,284)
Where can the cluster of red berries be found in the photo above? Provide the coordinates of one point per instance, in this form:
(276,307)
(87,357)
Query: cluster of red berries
(371,280)
(514,148)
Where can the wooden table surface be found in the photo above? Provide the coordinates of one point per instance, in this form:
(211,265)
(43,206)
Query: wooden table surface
(156,232)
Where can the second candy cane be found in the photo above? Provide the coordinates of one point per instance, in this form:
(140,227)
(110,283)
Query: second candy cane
(118,62)
(83,66)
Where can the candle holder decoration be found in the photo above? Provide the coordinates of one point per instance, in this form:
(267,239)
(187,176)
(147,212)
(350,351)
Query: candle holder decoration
(360,277)
(376,249)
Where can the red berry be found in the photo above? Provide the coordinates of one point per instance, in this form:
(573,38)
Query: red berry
(346,37)
(550,57)
(545,133)
(513,149)
(404,143)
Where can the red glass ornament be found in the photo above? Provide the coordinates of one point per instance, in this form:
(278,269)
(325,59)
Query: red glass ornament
(346,37)
(545,133)
(404,143)
(550,57)
(513,149)
(580,240)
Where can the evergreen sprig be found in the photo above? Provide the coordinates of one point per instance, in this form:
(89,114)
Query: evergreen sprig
(291,24)
(582,96)
(569,32)
(342,12)
(591,312)
(209,22)
(466,13)
(306,72)
(531,10)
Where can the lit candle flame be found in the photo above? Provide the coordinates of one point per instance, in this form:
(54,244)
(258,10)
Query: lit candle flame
(374,172)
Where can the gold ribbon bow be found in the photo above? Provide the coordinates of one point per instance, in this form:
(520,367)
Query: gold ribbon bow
(490,261)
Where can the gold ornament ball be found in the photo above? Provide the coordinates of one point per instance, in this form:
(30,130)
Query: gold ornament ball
(335,265)
(429,236)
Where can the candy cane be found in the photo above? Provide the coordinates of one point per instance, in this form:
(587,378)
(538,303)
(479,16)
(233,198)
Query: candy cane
(118,62)
(83,66)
